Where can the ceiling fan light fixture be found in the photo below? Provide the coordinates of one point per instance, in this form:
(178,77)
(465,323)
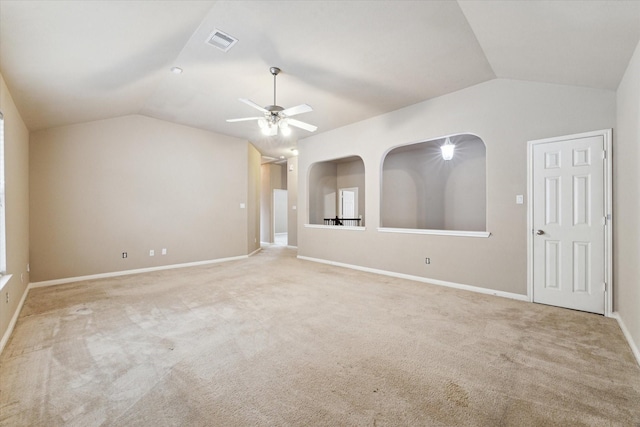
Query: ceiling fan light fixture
(283,124)
(267,130)
(447,149)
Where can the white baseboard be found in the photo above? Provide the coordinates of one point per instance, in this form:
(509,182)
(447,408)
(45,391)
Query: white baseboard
(422,279)
(627,335)
(136,271)
(254,252)
(14,320)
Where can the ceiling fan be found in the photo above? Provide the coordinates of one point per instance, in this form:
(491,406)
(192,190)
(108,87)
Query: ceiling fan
(275,117)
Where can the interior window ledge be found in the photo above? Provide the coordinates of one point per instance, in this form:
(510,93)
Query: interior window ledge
(458,233)
(4,279)
(335,227)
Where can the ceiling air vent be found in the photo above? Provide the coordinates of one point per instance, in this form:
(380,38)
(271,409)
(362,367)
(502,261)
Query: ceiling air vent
(221,40)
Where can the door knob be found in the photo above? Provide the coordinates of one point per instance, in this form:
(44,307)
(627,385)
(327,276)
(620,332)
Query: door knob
(539,232)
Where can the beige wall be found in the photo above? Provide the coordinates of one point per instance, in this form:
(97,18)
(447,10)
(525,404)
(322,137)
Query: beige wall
(272,177)
(132,184)
(16,156)
(505,114)
(465,189)
(265,204)
(292,200)
(253,200)
(626,197)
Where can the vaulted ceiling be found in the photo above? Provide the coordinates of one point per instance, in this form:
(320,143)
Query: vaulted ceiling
(68,62)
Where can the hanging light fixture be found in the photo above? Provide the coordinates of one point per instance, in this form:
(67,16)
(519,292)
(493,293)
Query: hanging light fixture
(447,149)
(268,126)
(265,126)
(283,124)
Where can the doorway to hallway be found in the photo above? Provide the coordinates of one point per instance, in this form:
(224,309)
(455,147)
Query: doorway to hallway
(280,220)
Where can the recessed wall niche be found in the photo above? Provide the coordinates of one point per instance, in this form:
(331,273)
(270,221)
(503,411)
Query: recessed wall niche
(421,190)
(336,190)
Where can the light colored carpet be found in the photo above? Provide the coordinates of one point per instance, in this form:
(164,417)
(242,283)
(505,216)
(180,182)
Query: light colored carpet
(273,340)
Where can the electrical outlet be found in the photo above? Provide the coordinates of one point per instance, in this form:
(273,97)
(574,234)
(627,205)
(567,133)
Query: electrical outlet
(124,254)
(427,260)
(152,252)
(164,251)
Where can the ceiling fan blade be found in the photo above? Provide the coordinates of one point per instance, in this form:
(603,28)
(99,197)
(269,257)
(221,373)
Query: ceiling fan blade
(298,109)
(244,119)
(302,125)
(252,104)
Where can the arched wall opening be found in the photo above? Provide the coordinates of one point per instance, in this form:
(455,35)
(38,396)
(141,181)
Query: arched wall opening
(421,190)
(337,191)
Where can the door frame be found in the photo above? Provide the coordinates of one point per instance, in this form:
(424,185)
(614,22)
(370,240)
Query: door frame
(608,230)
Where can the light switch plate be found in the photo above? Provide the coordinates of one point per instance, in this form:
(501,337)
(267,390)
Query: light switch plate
(519,199)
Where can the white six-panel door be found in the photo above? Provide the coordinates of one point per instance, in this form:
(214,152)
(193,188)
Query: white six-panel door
(348,202)
(568,221)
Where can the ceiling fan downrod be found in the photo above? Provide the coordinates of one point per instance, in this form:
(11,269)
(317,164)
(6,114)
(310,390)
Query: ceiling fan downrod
(274,71)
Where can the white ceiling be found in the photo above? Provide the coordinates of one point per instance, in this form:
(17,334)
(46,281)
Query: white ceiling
(74,61)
